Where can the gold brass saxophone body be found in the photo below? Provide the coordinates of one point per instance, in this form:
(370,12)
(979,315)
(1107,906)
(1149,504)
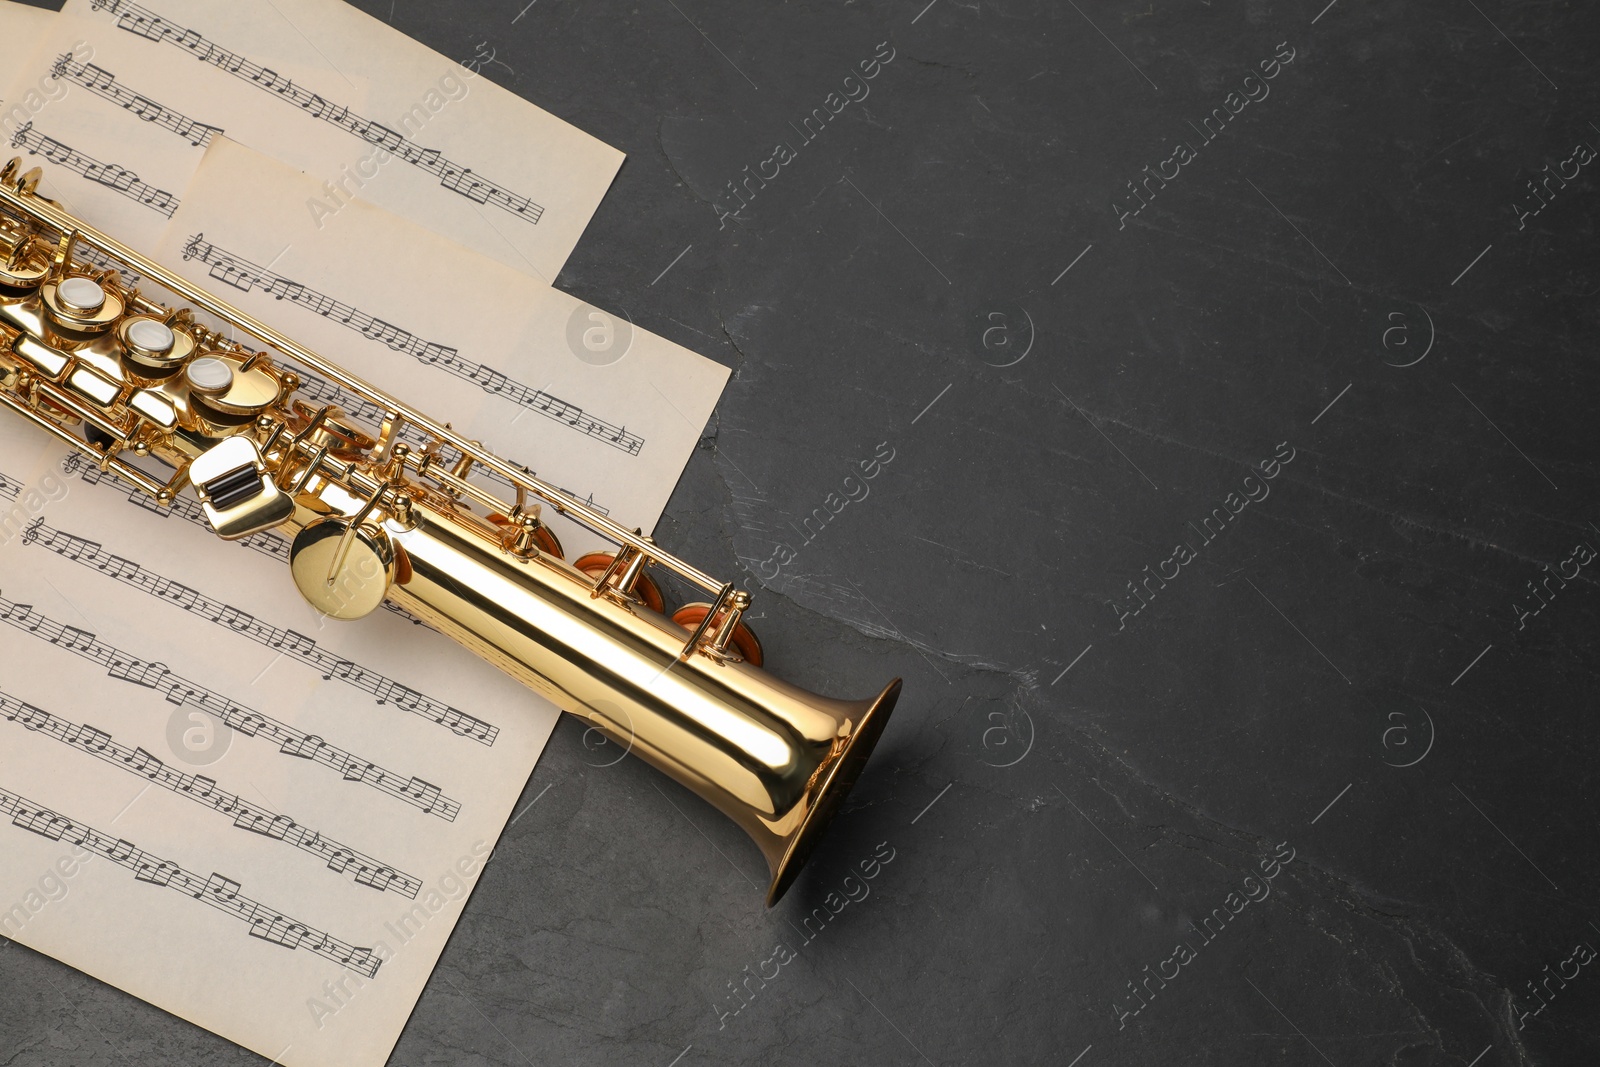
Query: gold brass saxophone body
(392,513)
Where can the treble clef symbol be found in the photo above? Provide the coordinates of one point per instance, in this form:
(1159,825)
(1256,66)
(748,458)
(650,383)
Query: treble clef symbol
(192,249)
(30,534)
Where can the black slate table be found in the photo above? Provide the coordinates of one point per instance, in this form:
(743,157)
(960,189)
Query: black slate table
(1225,374)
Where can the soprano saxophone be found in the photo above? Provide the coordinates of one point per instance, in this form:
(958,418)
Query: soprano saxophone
(389,513)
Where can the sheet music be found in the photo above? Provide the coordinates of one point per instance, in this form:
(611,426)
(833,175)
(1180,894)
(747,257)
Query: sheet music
(203,790)
(241,787)
(271,820)
(87,553)
(454,333)
(112,176)
(151,25)
(217,891)
(241,274)
(59,115)
(369,113)
(104,84)
(244,721)
(23,29)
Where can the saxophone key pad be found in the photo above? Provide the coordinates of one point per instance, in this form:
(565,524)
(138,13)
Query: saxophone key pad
(82,304)
(82,295)
(343,569)
(151,335)
(209,376)
(229,391)
(152,349)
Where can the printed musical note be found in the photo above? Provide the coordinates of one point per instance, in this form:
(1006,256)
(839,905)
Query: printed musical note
(145,23)
(116,566)
(216,891)
(386,333)
(90,554)
(184,693)
(116,178)
(128,669)
(305,746)
(279,931)
(463,182)
(242,274)
(259,822)
(142,762)
(354,770)
(201,790)
(294,643)
(425,794)
(99,260)
(157,872)
(74,640)
(148,110)
(40,821)
(379,878)
(223,888)
(92,739)
(112,176)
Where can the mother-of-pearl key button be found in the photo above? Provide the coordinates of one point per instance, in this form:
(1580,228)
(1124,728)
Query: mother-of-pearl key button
(209,376)
(81,294)
(154,337)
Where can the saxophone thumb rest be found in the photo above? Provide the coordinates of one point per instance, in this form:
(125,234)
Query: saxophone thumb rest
(392,514)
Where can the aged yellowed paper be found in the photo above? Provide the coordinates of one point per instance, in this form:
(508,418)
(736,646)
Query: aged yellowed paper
(109,145)
(608,411)
(261,820)
(366,111)
(22,28)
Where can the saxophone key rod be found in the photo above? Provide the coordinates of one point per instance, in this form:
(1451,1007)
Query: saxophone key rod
(74,230)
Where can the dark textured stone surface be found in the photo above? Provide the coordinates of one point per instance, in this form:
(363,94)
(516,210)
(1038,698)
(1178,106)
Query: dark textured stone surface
(1080,822)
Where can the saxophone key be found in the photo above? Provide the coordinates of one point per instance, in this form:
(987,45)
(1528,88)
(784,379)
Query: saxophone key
(742,639)
(236,492)
(626,580)
(152,350)
(224,392)
(79,305)
(93,386)
(343,569)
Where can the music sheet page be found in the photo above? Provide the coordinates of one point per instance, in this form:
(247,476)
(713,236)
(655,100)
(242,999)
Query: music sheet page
(107,150)
(22,28)
(605,410)
(363,109)
(261,820)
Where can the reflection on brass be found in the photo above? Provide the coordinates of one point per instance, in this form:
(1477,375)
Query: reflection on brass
(110,371)
(341,569)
